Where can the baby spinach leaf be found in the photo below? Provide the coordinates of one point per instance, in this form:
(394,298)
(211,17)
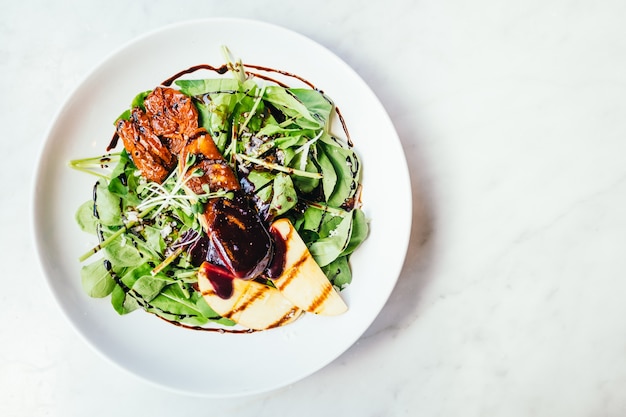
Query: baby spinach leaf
(318,105)
(305,184)
(285,196)
(313,217)
(108,207)
(174,301)
(218,100)
(360,230)
(136,102)
(122,252)
(327,249)
(154,240)
(338,272)
(121,302)
(289,103)
(96,279)
(148,286)
(214,86)
(347,168)
(85,218)
(329,177)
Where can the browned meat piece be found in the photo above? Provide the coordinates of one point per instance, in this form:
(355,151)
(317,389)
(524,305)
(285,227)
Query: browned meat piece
(217,174)
(154,160)
(173,116)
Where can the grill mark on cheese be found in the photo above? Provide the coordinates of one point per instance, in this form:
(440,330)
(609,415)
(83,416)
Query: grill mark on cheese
(208,291)
(291,273)
(317,301)
(285,318)
(248,301)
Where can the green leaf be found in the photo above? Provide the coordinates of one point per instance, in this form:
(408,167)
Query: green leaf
(327,249)
(174,301)
(136,102)
(96,279)
(154,240)
(338,272)
(121,302)
(285,196)
(318,105)
(312,219)
(124,181)
(85,218)
(348,170)
(108,206)
(360,230)
(148,286)
(122,252)
(214,86)
(290,104)
(305,184)
(329,176)
(219,98)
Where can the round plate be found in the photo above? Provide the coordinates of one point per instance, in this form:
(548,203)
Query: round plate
(205,363)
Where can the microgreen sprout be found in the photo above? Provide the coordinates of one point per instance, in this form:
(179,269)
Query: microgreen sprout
(166,195)
(100,166)
(305,149)
(278,167)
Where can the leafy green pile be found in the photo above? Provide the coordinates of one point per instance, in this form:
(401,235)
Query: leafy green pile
(278,140)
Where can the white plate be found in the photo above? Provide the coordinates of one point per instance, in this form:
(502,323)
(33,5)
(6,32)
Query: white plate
(204,363)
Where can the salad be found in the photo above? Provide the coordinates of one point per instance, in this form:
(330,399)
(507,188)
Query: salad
(232,202)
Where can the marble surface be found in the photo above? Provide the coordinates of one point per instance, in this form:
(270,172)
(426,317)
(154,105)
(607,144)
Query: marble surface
(511,299)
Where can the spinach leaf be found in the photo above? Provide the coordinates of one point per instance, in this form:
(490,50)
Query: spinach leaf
(123,252)
(96,279)
(108,206)
(338,272)
(318,105)
(86,220)
(285,196)
(329,176)
(360,230)
(327,249)
(289,103)
(348,170)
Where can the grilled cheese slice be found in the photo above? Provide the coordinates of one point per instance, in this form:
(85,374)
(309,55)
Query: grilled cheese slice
(302,280)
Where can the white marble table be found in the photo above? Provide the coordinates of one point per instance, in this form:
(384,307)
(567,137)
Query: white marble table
(511,300)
